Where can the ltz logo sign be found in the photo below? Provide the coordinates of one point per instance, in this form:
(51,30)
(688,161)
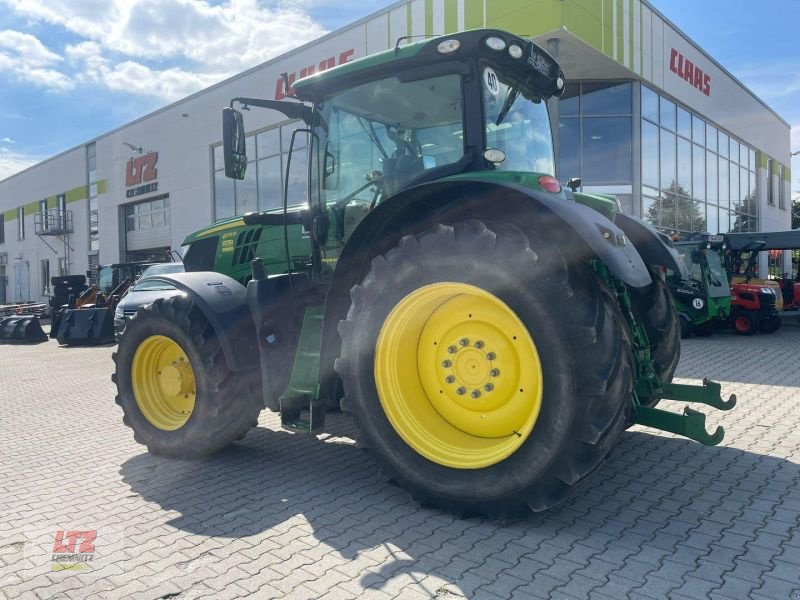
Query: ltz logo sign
(141,169)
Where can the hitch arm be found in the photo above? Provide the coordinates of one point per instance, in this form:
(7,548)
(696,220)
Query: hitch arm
(708,394)
(691,424)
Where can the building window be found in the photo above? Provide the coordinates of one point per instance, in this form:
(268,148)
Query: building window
(770,184)
(2,228)
(62,266)
(21,223)
(781,193)
(45,276)
(150,214)
(694,177)
(595,134)
(91,182)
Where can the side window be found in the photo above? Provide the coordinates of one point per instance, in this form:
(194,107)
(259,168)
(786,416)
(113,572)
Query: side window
(201,255)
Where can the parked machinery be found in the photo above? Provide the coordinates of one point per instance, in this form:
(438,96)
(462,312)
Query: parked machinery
(493,334)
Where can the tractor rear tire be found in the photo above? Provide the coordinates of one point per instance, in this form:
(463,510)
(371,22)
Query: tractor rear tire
(225,404)
(584,360)
(653,307)
(704,329)
(770,325)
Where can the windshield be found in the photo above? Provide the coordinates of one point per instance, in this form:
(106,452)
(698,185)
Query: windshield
(164,268)
(518,126)
(717,278)
(152,285)
(384,134)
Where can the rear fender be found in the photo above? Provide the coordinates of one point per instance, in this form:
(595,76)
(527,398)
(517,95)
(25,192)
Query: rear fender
(223,301)
(586,235)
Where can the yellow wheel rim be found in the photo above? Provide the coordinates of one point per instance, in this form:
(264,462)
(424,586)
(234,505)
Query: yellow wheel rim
(163,382)
(458,375)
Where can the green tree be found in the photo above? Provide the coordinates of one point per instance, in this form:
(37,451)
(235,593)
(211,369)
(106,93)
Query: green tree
(796,211)
(676,211)
(745,222)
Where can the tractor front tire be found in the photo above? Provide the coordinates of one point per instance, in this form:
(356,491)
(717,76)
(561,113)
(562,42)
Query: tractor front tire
(174,386)
(485,374)
(770,325)
(745,323)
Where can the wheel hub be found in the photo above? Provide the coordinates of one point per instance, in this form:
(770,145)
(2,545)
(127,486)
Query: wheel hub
(475,393)
(163,382)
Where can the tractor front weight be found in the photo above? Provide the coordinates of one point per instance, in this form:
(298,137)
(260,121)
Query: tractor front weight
(648,388)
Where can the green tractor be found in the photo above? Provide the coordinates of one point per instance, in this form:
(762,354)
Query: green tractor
(703,299)
(491,333)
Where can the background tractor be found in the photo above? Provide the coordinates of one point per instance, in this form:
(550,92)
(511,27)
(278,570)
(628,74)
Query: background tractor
(756,303)
(703,299)
(491,333)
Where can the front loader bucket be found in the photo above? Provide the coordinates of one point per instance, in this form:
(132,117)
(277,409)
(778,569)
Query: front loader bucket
(86,327)
(21,329)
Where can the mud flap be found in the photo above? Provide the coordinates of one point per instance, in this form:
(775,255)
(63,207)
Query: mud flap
(21,329)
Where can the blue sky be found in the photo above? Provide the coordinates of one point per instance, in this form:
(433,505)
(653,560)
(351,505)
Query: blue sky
(73,69)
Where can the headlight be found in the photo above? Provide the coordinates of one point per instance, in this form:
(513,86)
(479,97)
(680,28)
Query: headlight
(496,43)
(119,314)
(448,46)
(515,51)
(766,290)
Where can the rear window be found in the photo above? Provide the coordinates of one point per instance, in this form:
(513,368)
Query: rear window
(201,255)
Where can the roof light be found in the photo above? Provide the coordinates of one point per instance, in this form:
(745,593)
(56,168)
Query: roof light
(496,43)
(559,83)
(515,51)
(549,184)
(494,155)
(448,46)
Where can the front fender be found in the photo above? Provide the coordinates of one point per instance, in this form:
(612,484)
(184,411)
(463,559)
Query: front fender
(223,301)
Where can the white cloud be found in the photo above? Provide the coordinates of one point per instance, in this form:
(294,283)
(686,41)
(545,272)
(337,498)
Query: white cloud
(12,162)
(7,140)
(180,45)
(26,59)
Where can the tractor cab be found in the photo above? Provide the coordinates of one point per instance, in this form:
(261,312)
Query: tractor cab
(472,104)
(704,297)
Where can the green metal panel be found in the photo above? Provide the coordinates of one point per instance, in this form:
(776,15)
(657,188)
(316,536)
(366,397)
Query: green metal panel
(51,202)
(620,36)
(76,194)
(429,18)
(584,18)
(450,16)
(525,17)
(763,160)
(10,215)
(305,371)
(787,174)
(473,14)
(608,28)
(31,208)
(102,186)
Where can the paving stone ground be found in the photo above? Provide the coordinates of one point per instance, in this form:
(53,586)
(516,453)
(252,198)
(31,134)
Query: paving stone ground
(281,515)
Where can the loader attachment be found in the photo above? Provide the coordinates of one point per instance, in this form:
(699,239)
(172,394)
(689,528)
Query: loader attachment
(21,329)
(86,327)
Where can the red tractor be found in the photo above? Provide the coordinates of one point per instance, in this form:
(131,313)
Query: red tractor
(755,304)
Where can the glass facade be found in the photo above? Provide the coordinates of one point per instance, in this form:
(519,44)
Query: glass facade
(694,176)
(91,170)
(262,187)
(595,137)
(150,214)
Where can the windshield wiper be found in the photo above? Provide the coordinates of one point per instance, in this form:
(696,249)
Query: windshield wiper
(513,94)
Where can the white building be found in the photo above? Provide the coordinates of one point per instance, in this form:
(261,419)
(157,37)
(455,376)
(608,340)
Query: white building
(647,115)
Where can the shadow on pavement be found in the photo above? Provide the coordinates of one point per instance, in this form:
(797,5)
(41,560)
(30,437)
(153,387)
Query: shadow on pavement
(272,476)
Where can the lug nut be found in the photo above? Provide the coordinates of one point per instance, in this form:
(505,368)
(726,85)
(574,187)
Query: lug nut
(475,394)
(452,349)
(450,379)
(479,344)
(491,356)
(494,372)
(461,391)
(488,387)
(446,364)
(464,342)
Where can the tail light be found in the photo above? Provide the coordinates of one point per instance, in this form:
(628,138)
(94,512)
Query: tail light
(549,184)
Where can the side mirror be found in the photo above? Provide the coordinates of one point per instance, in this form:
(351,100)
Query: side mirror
(574,183)
(233,144)
(330,174)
